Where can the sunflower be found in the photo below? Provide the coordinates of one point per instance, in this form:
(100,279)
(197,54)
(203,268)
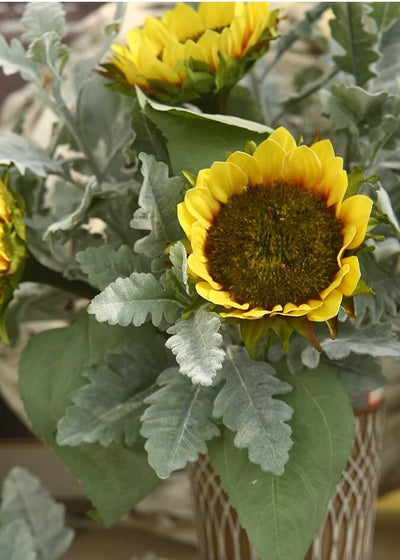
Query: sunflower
(12,247)
(272,233)
(190,53)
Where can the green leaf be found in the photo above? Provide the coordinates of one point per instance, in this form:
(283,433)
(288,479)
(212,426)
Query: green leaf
(42,17)
(105,264)
(350,30)
(49,373)
(348,106)
(247,406)
(131,300)
(178,422)
(376,340)
(26,500)
(207,138)
(13,59)
(178,258)
(158,199)
(147,137)
(108,409)
(48,51)
(26,154)
(359,374)
(16,542)
(281,514)
(196,344)
(384,14)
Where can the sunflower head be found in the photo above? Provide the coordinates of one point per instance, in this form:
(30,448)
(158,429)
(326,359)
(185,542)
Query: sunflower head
(191,53)
(12,246)
(271,234)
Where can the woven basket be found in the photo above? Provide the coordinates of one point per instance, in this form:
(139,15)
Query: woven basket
(345,533)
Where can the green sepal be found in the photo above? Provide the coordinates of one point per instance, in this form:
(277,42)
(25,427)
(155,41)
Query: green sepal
(305,328)
(190,177)
(333,327)
(250,147)
(348,307)
(362,289)
(252,331)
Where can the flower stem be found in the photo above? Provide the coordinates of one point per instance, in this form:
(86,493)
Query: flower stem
(36,272)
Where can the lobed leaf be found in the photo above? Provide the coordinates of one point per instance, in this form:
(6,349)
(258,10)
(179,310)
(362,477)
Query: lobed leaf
(114,478)
(247,406)
(24,499)
(350,30)
(196,344)
(41,17)
(105,264)
(13,59)
(25,154)
(158,199)
(130,301)
(177,423)
(108,409)
(16,542)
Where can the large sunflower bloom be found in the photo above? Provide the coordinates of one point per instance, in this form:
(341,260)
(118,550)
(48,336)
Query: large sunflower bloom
(270,233)
(189,53)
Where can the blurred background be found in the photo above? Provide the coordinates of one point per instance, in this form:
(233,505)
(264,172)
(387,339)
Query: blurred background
(163,522)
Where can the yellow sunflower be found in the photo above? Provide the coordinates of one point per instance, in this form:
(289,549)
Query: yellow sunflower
(12,247)
(189,53)
(271,233)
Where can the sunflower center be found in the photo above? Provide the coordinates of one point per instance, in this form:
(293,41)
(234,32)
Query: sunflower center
(273,245)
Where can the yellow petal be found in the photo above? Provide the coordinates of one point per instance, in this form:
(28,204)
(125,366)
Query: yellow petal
(200,269)
(249,165)
(329,308)
(348,234)
(199,236)
(301,167)
(226,179)
(284,138)
(228,43)
(135,39)
(183,21)
(352,278)
(202,205)
(216,14)
(173,53)
(255,313)
(186,219)
(194,50)
(333,183)
(356,211)
(336,282)
(154,69)
(254,12)
(270,156)
(210,41)
(203,178)
(324,150)
(218,297)
(156,34)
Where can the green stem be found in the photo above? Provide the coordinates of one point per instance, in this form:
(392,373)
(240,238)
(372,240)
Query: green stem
(36,272)
(255,83)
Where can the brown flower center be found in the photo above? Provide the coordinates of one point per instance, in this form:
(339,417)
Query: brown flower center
(273,245)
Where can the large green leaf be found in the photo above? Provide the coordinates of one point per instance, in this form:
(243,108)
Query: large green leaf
(158,199)
(247,406)
(132,300)
(109,407)
(281,514)
(195,140)
(113,478)
(350,30)
(24,499)
(178,422)
(196,344)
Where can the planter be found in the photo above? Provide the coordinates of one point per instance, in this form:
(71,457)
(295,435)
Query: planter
(345,533)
